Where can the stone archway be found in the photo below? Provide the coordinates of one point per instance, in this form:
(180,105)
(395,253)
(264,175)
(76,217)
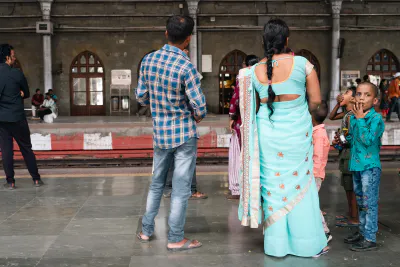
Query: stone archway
(228,70)
(383,64)
(87,85)
(312,58)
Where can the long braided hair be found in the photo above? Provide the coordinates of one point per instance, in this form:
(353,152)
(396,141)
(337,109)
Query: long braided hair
(275,37)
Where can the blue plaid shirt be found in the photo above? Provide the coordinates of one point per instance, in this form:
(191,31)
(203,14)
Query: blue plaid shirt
(171,85)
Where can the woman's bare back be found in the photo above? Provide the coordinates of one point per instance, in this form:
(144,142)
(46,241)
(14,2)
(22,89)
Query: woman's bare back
(281,72)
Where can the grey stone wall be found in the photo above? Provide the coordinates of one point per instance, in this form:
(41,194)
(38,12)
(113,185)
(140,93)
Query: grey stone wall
(29,51)
(116,50)
(80,26)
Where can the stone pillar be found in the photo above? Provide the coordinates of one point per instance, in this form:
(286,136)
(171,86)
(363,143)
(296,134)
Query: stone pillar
(47,62)
(192,7)
(335,84)
(45,6)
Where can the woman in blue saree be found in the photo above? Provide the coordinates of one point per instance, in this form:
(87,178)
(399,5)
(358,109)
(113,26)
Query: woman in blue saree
(277,184)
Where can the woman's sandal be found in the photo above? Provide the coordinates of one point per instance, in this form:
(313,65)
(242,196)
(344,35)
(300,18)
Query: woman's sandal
(346,224)
(139,236)
(185,246)
(323,251)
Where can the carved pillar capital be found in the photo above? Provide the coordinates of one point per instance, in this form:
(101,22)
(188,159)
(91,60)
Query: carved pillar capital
(193,7)
(336,8)
(45,6)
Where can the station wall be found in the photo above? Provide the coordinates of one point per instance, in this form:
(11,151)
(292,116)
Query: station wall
(123,49)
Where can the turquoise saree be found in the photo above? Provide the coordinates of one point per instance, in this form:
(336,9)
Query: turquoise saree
(276,177)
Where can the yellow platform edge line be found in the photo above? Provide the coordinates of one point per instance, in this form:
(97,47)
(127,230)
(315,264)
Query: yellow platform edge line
(110,175)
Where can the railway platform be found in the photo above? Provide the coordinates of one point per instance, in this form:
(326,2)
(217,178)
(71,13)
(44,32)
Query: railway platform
(113,137)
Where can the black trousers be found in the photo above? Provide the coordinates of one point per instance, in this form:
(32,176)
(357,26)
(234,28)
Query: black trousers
(394,106)
(20,132)
(44,112)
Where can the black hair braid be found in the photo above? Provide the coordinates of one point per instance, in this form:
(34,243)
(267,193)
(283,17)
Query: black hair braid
(275,37)
(271,94)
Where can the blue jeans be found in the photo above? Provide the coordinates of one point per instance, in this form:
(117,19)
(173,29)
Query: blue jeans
(366,188)
(168,184)
(185,163)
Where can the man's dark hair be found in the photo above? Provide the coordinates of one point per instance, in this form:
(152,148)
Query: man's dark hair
(251,60)
(37,90)
(358,81)
(50,90)
(179,28)
(47,94)
(366,78)
(373,87)
(321,112)
(5,51)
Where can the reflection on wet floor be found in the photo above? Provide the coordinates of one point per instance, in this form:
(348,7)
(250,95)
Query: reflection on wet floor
(93,221)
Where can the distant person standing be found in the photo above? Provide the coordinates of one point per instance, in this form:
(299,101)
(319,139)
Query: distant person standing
(13,124)
(394,96)
(384,105)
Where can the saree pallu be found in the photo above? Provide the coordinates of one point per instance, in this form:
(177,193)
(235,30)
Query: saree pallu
(249,212)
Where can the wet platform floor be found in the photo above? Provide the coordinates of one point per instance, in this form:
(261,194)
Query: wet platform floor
(89,218)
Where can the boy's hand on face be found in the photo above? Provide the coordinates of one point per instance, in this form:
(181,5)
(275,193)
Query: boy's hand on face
(339,98)
(358,111)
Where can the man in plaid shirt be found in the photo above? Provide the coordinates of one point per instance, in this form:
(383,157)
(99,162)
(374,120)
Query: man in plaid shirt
(171,85)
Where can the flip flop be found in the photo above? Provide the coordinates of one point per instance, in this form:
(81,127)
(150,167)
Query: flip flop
(141,239)
(202,196)
(233,197)
(346,224)
(185,246)
(341,218)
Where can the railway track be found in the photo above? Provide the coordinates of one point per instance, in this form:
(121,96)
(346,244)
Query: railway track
(109,163)
(74,162)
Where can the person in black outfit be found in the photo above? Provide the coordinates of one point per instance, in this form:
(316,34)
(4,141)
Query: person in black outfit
(13,124)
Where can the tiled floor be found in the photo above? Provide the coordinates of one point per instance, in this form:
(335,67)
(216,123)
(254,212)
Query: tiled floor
(91,222)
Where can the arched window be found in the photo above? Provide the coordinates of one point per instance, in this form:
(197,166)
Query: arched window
(228,70)
(383,64)
(312,58)
(87,85)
